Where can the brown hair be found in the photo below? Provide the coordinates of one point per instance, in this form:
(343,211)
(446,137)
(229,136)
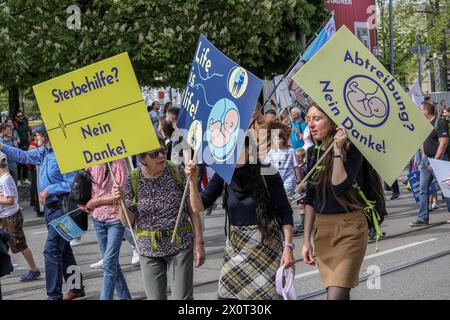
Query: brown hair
(282,135)
(166,128)
(429,107)
(4,126)
(284,115)
(322,181)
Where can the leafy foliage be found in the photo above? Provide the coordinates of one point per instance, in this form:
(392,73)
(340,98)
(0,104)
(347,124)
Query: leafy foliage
(160,36)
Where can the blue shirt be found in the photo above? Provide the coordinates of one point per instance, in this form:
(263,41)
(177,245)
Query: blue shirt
(300,126)
(154,117)
(49,175)
(11,163)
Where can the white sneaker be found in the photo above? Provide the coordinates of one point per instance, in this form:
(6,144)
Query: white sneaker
(19,184)
(75,242)
(97,265)
(434,206)
(135,259)
(27,182)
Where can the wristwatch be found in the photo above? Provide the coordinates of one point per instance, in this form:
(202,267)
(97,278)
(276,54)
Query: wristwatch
(290,245)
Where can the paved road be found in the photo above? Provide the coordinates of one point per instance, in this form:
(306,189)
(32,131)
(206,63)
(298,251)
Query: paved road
(413,263)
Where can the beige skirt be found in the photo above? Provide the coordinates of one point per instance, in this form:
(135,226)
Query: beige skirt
(340,242)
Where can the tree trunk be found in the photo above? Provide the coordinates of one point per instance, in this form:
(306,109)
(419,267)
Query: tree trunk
(13,98)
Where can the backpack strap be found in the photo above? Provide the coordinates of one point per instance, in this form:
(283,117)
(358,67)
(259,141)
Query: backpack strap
(134,184)
(175,172)
(225,206)
(316,156)
(370,211)
(436,123)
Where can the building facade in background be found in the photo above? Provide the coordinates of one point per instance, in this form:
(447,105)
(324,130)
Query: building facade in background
(358,16)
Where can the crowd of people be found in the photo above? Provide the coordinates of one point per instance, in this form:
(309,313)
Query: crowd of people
(259,206)
(17,133)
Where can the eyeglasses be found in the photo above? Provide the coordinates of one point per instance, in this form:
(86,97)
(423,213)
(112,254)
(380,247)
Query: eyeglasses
(155,154)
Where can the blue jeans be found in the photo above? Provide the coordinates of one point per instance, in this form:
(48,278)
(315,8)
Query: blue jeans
(109,236)
(129,237)
(426,179)
(58,257)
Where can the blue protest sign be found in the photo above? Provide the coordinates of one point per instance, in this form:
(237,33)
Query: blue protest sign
(67,228)
(414,181)
(217,107)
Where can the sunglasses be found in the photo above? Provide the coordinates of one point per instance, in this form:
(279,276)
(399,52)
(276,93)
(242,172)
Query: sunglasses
(19,117)
(155,154)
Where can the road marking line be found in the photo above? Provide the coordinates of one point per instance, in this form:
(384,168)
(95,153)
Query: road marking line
(399,248)
(406,246)
(40,232)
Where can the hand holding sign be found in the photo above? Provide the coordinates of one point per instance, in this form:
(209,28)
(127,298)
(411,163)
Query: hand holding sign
(191,171)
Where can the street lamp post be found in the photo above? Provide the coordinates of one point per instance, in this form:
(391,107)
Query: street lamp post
(391,36)
(419,55)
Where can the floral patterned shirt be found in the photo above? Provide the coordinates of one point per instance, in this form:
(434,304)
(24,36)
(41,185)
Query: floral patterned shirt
(158,202)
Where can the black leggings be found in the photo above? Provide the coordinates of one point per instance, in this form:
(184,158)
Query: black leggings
(338,293)
(23,171)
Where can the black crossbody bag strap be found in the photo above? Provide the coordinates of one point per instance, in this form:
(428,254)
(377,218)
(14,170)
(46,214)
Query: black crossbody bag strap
(226,227)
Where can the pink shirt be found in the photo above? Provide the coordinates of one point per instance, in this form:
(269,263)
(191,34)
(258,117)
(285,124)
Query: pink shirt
(102,188)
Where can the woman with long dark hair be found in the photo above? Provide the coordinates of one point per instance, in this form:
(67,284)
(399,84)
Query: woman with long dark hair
(260,217)
(333,210)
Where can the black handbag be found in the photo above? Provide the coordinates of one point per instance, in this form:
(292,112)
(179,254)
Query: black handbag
(79,216)
(81,190)
(70,203)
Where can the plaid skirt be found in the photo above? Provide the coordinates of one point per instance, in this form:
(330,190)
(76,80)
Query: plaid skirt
(249,267)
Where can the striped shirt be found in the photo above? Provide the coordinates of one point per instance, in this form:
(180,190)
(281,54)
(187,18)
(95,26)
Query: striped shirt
(286,162)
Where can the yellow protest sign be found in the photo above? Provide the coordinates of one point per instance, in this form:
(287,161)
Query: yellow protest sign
(360,95)
(96,114)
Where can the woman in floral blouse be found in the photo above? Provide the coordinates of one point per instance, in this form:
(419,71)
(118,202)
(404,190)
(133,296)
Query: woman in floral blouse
(153,194)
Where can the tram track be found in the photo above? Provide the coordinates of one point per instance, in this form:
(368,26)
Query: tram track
(97,274)
(395,269)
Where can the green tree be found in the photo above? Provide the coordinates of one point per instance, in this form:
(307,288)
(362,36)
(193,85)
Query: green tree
(406,25)
(160,36)
(430,19)
(438,35)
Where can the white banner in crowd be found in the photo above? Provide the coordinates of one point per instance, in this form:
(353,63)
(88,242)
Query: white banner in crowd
(441,170)
(282,93)
(416,93)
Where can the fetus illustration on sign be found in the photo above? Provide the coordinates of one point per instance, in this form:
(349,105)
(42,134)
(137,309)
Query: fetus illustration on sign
(365,103)
(366,99)
(223,128)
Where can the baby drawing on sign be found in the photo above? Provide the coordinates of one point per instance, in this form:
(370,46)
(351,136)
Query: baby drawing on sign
(223,129)
(368,107)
